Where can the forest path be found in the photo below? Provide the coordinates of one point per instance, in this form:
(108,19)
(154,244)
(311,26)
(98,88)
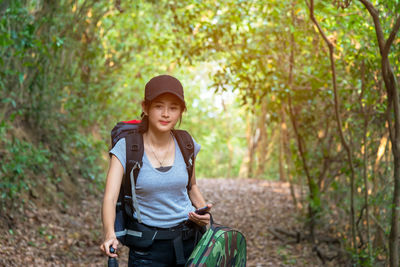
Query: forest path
(48,237)
(253,206)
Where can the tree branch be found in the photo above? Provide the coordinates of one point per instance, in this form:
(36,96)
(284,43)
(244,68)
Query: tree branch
(311,7)
(339,123)
(391,38)
(375,16)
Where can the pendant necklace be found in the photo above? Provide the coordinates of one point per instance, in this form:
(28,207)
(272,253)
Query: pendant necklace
(155,155)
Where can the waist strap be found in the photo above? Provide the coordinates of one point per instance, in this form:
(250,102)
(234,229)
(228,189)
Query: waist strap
(158,234)
(176,234)
(168,234)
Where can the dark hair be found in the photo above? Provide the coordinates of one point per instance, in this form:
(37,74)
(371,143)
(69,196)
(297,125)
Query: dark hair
(144,124)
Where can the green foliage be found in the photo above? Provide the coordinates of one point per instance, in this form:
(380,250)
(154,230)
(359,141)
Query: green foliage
(253,42)
(22,160)
(71,69)
(83,153)
(51,92)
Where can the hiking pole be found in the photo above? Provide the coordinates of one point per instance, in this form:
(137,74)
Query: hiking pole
(112,262)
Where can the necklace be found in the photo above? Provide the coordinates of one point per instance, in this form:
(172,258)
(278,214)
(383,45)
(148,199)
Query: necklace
(155,155)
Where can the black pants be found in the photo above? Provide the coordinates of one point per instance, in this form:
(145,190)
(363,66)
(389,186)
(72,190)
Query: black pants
(160,254)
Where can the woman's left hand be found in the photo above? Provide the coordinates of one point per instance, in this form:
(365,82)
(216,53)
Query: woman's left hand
(201,220)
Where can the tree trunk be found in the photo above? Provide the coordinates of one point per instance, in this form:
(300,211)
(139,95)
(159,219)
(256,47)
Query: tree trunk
(339,124)
(315,204)
(282,173)
(286,155)
(365,111)
(228,136)
(246,167)
(262,145)
(252,143)
(393,101)
(379,240)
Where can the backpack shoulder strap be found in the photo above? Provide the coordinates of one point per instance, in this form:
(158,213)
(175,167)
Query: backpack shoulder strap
(186,145)
(134,153)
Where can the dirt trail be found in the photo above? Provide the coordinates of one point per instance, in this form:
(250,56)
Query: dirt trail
(253,206)
(48,237)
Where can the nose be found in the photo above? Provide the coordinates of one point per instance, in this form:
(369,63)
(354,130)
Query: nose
(165,112)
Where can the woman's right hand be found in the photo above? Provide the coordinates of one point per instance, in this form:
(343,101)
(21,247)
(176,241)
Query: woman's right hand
(105,247)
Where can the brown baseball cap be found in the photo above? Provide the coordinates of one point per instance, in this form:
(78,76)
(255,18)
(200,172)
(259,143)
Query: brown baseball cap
(163,84)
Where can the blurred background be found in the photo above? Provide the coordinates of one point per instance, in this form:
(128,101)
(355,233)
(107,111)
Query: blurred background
(290,91)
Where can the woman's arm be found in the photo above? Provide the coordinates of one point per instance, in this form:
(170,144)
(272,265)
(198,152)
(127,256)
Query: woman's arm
(198,201)
(113,185)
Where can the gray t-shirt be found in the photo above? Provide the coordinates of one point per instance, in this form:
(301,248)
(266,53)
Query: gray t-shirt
(162,196)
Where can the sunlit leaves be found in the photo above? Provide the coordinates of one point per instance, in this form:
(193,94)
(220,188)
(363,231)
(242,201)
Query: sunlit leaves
(253,42)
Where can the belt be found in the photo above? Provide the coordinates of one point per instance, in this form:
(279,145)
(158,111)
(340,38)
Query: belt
(177,234)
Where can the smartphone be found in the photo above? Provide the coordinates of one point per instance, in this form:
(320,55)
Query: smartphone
(202,210)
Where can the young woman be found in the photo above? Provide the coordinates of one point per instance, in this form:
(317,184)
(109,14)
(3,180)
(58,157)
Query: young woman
(165,202)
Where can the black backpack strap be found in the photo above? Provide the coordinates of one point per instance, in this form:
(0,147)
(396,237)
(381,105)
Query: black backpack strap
(134,155)
(186,145)
(134,152)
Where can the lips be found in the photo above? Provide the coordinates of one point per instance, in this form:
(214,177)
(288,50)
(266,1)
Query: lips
(164,122)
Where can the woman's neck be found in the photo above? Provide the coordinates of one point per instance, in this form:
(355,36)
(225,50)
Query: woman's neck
(158,139)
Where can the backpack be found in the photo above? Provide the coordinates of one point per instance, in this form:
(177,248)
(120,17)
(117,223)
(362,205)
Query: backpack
(127,204)
(219,246)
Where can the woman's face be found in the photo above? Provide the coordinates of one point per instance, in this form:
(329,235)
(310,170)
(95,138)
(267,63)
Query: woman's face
(164,112)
